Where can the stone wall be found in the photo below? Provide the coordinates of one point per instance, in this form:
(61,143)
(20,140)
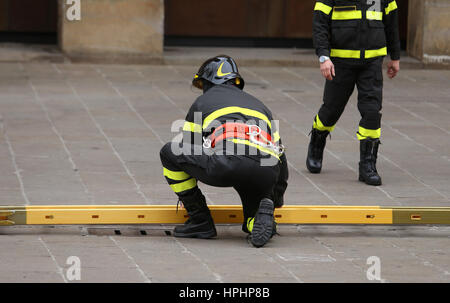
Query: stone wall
(429,31)
(133,30)
(118,30)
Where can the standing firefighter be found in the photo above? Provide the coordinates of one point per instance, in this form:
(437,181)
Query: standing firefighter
(229,140)
(356,34)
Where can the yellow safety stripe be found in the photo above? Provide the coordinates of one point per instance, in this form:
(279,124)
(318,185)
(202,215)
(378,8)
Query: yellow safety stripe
(371,53)
(219,71)
(319,125)
(192,127)
(346,15)
(175,175)
(356,54)
(263,149)
(186,185)
(345,53)
(235,109)
(250,222)
(364,133)
(373,15)
(391,7)
(323,8)
(276,136)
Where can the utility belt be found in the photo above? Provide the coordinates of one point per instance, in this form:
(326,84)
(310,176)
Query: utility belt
(242,131)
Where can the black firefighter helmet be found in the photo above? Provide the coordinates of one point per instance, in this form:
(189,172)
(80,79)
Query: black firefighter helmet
(218,70)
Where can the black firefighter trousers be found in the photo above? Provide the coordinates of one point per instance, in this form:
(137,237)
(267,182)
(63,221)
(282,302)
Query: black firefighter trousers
(252,181)
(368,78)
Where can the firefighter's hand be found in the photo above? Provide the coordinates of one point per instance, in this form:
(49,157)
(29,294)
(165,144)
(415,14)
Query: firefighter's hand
(327,70)
(393,68)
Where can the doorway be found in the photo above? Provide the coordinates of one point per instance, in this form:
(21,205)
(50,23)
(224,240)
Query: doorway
(28,21)
(247,23)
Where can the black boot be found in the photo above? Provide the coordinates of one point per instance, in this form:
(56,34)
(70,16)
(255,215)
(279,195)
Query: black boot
(315,150)
(245,226)
(264,224)
(368,160)
(200,223)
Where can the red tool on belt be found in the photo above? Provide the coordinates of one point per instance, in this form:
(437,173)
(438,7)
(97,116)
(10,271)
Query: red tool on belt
(252,133)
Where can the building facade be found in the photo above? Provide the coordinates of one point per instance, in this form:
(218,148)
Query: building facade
(139,29)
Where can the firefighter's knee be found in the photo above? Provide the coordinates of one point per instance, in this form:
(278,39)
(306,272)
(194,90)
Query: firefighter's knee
(166,152)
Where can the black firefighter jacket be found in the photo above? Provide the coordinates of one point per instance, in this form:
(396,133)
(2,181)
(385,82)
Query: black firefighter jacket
(356,29)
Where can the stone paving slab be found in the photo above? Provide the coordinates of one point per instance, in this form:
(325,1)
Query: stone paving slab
(91,134)
(301,254)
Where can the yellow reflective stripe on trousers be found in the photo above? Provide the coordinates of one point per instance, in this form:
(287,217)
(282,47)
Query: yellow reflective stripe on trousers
(323,8)
(345,53)
(373,15)
(175,175)
(235,109)
(319,125)
(250,222)
(364,133)
(186,185)
(263,149)
(391,7)
(192,127)
(372,53)
(346,15)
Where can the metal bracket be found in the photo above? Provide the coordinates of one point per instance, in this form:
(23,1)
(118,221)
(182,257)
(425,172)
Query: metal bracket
(4,217)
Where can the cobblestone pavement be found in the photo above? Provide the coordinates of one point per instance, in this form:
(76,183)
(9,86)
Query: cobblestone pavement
(91,134)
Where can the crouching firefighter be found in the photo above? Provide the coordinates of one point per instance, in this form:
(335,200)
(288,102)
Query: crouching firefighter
(229,140)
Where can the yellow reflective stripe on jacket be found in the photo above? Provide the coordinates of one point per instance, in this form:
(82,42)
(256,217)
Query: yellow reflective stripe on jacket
(373,15)
(364,133)
(175,175)
(372,53)
(323,8)
(346,15)
(263,149)
(391,7)
(235,109)
(192,127)
(186,185)
(319,125)
(276,136)
(356,54)
(345,53)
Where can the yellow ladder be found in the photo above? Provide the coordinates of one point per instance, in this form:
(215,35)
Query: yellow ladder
(222,214)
